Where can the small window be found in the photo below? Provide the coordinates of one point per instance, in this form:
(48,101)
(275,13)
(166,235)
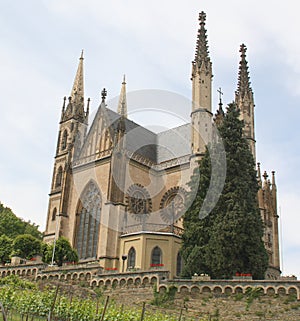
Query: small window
(131,258)
(58,179)
(64,140)
(54,214)
(156,256)
(178,264)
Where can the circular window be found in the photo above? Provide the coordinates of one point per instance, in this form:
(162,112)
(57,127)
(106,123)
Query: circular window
(172,205)
(138,200)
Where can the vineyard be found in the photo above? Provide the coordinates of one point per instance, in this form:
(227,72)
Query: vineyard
(23,300)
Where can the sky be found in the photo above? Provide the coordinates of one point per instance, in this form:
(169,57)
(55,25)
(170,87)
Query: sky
(153,43)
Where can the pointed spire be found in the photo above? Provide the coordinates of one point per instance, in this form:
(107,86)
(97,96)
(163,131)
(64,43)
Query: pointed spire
(244,83)
(202,43)
(64,104)
(259,175)
(77,92)
(273,180)
(122,106)
(88,106)
(63,109)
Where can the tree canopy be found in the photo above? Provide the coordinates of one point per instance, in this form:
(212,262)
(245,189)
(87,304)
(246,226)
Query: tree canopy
(5,248)
(63,252)
(229,239)
(26,246)
(12,226)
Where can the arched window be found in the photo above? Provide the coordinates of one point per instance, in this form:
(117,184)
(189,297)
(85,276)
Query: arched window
(64,140)
(156,256)
(58,179)
(131,258)
(88,222)
(178,264)
(54,214)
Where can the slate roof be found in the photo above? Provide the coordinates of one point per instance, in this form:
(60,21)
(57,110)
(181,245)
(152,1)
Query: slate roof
(158,148)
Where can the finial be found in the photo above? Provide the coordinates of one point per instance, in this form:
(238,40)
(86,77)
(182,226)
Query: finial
(258,174)
(265,176)
(81,56)
(273,178)
(243,50)
(103,94)
(124,81)
(202,17)
(70,99)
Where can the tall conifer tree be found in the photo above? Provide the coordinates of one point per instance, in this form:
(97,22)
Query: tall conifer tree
(229,239)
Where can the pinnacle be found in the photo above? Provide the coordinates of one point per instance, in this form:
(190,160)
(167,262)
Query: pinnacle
(122,106)
(243,76)
(202,43)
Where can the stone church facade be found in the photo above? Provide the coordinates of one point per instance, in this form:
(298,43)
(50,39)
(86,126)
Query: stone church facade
(119,190)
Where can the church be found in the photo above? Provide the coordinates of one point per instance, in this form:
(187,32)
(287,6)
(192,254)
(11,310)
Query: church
(119,190)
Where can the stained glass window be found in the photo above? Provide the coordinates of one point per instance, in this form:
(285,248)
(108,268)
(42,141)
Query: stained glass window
(88,221)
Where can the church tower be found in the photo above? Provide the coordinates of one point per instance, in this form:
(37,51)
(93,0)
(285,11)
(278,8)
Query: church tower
(72,131)
(245,101)
(201,91)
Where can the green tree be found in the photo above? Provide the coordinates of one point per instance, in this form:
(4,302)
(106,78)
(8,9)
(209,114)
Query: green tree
(26,246)
(63,252)
(197,231)
(229,239)
(12,226)
(5,249)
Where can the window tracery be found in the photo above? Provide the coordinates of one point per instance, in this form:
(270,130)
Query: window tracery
(88,222)
(138,200)
(172,204)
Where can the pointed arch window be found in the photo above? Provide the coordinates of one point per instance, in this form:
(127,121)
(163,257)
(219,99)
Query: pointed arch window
(156,256)
(58,179)
(64,140)
(54,212)
(88,222)
(131,258)
(178,264)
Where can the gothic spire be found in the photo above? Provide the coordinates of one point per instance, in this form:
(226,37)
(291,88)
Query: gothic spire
(77,93)
(244,83)
(122,106)
(202,43)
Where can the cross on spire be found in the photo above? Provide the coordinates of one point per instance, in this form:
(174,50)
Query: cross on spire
(220,94)
(103,94)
